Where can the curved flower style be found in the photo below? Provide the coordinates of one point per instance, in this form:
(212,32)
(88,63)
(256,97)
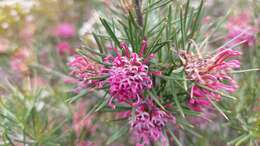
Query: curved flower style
(212,72)
(148,123)
(127,75)
(240,25)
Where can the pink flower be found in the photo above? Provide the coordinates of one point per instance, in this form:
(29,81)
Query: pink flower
(65,30)
(148,123)
(128,76)
(84,69)
(212,72)
(240,25)
(64,48)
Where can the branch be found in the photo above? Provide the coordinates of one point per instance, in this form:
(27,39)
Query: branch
(139,12)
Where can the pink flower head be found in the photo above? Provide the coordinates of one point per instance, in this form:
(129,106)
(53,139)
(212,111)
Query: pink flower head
(64,48)
(65,30)
(212,72)
(148,123)
(240,26)
(128,76)
(84,69)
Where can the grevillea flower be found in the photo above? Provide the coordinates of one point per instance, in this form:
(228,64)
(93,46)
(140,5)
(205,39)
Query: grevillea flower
(212,72)
(240,26)
(128,76)
(65,30)
(84,69)
(148,123)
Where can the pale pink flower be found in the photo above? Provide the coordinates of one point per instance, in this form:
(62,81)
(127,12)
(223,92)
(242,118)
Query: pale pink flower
(65,30)
(240,26)
(148,123)
(212,72)
(84,70)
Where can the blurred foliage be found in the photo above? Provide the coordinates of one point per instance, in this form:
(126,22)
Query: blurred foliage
(34,107)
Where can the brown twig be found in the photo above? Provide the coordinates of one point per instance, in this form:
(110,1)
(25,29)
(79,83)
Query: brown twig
(139,12)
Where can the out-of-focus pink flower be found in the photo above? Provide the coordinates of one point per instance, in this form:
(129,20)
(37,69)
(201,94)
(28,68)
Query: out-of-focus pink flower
(240,26)
(212,72)
(207,19)
(64,48)
(148,123)
(65,30)
(203,119)
(80,121)
(20,60)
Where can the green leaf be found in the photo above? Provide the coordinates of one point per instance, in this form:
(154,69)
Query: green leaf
(156,100)
(174,137)
(74,98)
(100,46)
(179,106)
(110,32)
(218,108)
(117,134)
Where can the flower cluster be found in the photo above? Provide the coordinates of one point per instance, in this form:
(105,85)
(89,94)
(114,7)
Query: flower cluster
(148,122)
(240,27)
(212,72)
(127,76)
